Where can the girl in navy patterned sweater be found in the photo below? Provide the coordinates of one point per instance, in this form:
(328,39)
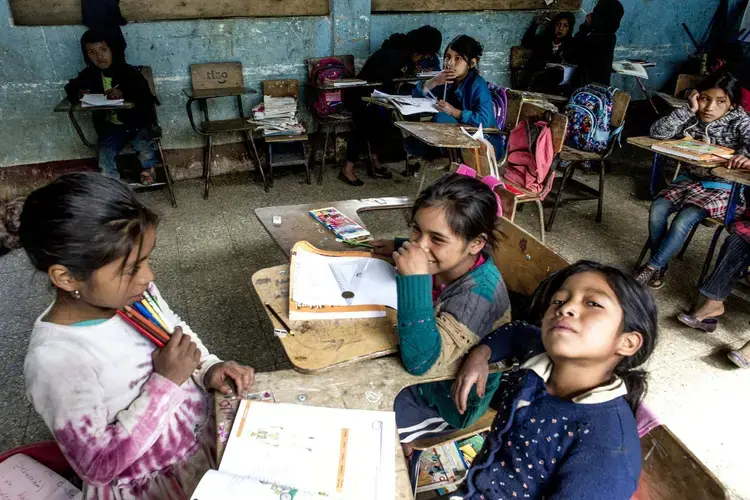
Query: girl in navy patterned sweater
(565,426)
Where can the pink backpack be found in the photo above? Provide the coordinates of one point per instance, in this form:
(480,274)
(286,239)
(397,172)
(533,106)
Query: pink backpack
(326,70)
(530,155)
(490,181)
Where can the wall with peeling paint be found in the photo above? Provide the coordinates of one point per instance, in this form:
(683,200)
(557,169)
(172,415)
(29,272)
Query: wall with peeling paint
(35,62)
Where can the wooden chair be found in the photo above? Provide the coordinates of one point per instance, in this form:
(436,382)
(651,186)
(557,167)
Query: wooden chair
(519,74)
(679,98)
(285,88)
(329,125)
(211,81)
(524,263)
(574,157)
(510,200)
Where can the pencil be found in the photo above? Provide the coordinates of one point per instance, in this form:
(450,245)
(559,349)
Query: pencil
(278,318)
(358,244)
(153,329)
(148,316)
(445,90)
(140,330)
(154,302)
(155,314)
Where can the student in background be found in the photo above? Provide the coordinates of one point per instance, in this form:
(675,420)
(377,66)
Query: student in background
(713,115)
(593,48)
(548,47)
(467,96)
(400,55)
(133,421)
(107,73)
(450,295)
(565,424)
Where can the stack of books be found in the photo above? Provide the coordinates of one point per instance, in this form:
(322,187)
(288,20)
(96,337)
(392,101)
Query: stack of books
(277,116)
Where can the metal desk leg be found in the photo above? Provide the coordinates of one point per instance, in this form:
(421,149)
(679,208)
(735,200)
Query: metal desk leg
(645,92)
(325,151)
(656,170)
(76,126)
(710,255)
(734,196)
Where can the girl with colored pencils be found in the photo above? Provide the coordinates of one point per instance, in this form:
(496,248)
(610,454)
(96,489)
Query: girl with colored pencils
(119,379)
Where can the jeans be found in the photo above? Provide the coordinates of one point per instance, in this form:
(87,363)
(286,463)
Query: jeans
(115,140)
(734,257)
(665,243)
(415,147)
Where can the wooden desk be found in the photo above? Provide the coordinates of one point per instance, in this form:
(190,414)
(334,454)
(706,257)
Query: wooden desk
(371,385)
(671,100)
(657,166)
(738,178)
(211,93)
(65,106)
(439,135)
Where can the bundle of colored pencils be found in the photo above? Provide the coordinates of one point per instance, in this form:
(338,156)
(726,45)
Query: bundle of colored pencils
(148,319)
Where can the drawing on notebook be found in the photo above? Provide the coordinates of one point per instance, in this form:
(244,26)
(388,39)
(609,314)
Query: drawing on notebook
(276,437)
(348,276)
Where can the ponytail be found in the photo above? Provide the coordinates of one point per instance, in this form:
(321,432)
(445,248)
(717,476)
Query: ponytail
(636,382)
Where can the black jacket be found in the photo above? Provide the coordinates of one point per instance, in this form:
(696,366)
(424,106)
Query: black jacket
(541,47)
(593,48)
(391,60)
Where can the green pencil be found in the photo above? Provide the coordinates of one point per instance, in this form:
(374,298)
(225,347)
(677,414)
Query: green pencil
(358,244)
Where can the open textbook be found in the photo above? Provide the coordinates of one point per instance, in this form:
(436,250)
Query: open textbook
(335,285)
(94,100)
(297,452)
(408,105)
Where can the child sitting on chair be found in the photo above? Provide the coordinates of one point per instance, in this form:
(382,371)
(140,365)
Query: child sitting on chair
(108,73)
(565,426)
(713,115)
(450,295)
(134,421)
(463,96)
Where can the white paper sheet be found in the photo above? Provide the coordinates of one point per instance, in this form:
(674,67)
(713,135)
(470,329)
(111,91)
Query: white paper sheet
(92,100)
(568,71)
(217,485)
(23,478)
(630,68)
(407,105)
(305,446)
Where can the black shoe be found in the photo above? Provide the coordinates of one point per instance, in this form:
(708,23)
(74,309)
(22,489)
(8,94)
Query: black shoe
(345,179)
(412,171)
(379,173)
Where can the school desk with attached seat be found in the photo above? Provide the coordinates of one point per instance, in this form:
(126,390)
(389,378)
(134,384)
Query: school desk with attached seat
(214,81)
(71,109)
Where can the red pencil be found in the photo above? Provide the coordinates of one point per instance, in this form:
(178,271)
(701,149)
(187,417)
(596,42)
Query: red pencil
(148,325)
(141,330)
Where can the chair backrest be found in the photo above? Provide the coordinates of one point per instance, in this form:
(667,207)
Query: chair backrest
(519,57)
(346,60)
(148,74)
(620,104)
(685,82)
(281,88)
(558,125)
(212,76)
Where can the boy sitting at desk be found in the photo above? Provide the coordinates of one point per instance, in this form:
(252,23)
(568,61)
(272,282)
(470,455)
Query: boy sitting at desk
(107,73)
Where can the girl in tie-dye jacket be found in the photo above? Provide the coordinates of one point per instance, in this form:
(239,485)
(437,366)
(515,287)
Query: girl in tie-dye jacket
(134,421)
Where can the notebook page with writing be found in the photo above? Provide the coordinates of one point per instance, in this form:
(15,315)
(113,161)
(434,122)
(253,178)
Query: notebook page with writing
(344,454)
(217,485)
(92,100)
(23,478)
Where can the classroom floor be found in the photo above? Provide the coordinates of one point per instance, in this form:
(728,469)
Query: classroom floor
(208,250)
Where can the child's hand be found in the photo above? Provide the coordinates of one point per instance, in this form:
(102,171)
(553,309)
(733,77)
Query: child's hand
(410,259)
(113,93)
(445,107)
(693,101)
(444,77)
(243,377)
(739,161)
(383,248)
(178,359)
(474,370)
(83,92)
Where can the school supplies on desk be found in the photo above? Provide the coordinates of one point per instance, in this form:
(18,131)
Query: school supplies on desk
(93,100)
(23,478)
(691,149)
(407,105)
(339,285)
(346,82)
(441,466)
(630,68)
(340,225)
(305,452)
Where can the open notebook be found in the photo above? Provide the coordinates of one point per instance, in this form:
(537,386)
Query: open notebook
(694,150)
(336,285)
(23,478)
(286,451)
(408,105)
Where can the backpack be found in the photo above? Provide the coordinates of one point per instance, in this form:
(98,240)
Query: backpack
(589,114)
(328,102)
(499,104)
(530,156)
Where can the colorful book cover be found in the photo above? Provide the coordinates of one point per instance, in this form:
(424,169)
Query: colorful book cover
(341,225)
(694,150)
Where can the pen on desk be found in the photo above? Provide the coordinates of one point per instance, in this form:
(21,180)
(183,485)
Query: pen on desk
(278,318)
(445,90)
(355,243)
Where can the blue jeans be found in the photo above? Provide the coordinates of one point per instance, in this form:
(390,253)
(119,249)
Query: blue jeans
(115,140)
(665,243)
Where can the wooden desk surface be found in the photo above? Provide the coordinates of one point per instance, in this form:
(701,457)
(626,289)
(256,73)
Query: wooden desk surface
(297,224)
(671,100)
(314,346)
(211,93)
(379,102)
(645,142)
(739,176)
(333,87)
(555,99)
(441,135)
(371,385)
(66,106)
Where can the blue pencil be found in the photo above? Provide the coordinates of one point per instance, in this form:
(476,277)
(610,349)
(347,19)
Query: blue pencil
(146,314)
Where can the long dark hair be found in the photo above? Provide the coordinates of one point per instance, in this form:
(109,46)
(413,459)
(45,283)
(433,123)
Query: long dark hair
(470,206)
(725,81)
(82,221)
(466,47)
(639,314)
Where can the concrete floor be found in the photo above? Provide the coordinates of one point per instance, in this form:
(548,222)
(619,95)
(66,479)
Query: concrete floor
(208,250)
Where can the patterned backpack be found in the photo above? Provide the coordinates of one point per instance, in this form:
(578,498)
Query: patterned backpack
(499,104)
(589,114)
(328,102)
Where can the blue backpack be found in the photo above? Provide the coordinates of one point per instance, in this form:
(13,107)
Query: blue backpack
(589,114)
(499,104)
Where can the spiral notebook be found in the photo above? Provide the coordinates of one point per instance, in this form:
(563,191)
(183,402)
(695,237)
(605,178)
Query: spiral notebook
(337,285)
(305,452)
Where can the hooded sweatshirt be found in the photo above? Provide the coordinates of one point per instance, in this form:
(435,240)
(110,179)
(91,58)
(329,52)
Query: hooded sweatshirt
(127,79)
(593,48)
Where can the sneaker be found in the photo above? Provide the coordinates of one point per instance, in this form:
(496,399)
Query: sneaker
(657,281)
(644,275)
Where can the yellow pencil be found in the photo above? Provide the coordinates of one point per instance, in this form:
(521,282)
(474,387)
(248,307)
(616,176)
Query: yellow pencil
(155,314)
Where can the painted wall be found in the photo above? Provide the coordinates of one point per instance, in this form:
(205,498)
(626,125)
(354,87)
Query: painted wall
(35,62)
